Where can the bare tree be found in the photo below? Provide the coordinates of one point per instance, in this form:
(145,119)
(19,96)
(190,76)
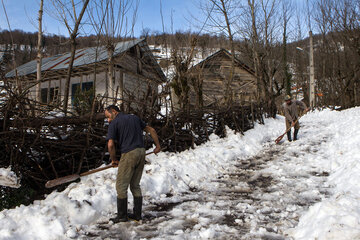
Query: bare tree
(338,52)
(263,33)
(286,15)
(113,20)
(250,32)
(67,11)
(18,82)
(300,63)
(182,78)
(39,53)
(221,16)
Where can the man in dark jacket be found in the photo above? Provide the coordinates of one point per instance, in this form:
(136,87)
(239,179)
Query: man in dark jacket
(126,133)
(291,112)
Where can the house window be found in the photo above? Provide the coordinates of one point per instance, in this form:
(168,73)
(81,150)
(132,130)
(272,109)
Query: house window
(86,86)
(76,90)
(54,95)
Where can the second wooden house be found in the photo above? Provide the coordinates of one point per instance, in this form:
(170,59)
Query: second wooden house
(208,81)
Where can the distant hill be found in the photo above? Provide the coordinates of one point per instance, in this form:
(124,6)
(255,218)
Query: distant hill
(24,44)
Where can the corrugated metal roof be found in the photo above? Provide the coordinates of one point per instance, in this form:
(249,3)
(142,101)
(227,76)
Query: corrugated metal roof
(83,56)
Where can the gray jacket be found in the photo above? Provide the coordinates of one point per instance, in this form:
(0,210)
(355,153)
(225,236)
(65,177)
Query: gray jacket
(291,111)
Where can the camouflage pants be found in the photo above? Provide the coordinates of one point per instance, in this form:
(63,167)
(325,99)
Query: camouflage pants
(288,124)
(130,170)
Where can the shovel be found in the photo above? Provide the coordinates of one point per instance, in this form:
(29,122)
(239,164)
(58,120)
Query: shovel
(73,177)
(281,136)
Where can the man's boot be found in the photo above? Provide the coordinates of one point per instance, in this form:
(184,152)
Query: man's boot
(136,215)
(289,135)
(121,211)
(295,134)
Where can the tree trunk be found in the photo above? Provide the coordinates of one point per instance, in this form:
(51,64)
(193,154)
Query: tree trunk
(110,51)
(68,76)
(39,54)
(73,35)
(228,89)
(254,40)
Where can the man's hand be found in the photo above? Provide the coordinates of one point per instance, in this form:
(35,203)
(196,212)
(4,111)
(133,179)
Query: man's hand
(157,149)
(112,152)
(292,123)
(154,136)
(115,163)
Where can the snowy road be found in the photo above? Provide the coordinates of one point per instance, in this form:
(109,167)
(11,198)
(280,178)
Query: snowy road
(250,202)
(237,187)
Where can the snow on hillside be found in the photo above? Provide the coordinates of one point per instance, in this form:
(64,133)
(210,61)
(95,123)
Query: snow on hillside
(309,190)
(163,53)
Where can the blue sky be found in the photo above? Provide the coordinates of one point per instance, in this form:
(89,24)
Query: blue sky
(176,13)
(23,15)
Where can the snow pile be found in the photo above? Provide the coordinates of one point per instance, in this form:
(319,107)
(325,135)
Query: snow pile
(175,173)
(329,142)
(339,216)
(8,178)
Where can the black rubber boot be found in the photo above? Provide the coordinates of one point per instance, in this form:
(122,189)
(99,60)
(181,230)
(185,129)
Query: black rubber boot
(136,215)
(289,135)
(295,134)
(121,211)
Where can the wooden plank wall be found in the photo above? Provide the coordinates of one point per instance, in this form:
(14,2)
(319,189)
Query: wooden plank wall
(215,73)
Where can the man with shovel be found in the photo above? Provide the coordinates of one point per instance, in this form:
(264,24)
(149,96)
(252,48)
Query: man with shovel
(126,131)
(291,112)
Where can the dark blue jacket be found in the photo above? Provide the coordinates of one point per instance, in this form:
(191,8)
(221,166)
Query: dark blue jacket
(127,131)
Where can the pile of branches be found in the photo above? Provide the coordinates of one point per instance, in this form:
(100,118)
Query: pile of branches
(185,129)
(40,147)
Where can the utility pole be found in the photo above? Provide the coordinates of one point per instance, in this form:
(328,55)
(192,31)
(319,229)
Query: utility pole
(312,73)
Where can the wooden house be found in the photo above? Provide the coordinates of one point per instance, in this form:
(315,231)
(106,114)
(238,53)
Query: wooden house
(213,73)
(135,74)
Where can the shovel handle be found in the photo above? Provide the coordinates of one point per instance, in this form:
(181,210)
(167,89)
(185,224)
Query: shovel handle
(73,177)
(102,168)
(97,170)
